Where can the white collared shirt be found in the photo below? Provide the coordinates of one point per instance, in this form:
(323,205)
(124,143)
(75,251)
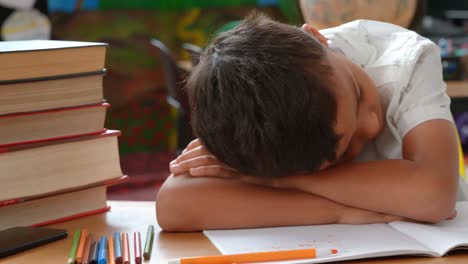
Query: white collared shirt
(406,68)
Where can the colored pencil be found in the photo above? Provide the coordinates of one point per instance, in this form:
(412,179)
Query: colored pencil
(102,254)
(76,241)
(258,256)
(149,242)
(111,259)
(137,247)
(94,252)
(79,251)
(125,249)
(87,249)
(117,248)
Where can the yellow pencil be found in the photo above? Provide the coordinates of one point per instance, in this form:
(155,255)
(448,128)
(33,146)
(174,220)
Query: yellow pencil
(258,256)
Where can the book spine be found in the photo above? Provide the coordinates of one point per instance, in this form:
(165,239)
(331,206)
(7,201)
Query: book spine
(71,217)
(111,182)
(11,202)
(53,110)
(4,147)
(55,77)
(60,140)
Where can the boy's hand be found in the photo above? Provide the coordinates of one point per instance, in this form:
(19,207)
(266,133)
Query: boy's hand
(198,161)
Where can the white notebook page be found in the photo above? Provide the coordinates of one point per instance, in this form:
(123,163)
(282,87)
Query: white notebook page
(352,241)
(440,237)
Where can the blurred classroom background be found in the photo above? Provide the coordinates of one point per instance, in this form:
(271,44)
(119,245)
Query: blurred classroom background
(153,46)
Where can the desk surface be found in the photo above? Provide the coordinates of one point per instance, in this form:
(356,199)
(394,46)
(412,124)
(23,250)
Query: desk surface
(136,216)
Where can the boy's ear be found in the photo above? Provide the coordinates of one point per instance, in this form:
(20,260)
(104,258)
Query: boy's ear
(314,32)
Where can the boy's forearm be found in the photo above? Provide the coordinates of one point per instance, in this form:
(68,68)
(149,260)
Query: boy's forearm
(196,203)
(191,204)
(398,187)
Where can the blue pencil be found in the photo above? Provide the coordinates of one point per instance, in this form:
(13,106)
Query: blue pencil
(102,255)
(117,248)
(93,257)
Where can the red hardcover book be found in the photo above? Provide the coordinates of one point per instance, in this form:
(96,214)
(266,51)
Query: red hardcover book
(18,200)
(54,165)
(71,217)
(68,122)
(57,207)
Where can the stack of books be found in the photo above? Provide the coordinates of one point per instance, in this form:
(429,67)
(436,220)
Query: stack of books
(56,157)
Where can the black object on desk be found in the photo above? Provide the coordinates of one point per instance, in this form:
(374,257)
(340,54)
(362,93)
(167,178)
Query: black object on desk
(18,239)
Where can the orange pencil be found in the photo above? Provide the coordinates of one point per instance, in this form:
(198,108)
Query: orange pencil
(111,258)
(258,256)
(137,247)
(81,245)
(87,248)
(125,249)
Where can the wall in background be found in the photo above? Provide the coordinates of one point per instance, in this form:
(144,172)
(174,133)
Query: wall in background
(134,84)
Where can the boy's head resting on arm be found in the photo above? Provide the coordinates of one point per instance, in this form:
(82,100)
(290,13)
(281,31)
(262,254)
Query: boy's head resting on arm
(271,99)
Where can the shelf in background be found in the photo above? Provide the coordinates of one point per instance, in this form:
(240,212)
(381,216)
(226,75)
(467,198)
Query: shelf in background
(457,89)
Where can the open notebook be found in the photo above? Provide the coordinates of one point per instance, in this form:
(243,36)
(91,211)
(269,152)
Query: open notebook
(352,241)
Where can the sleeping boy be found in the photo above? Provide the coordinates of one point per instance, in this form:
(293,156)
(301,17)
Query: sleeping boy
(297,126)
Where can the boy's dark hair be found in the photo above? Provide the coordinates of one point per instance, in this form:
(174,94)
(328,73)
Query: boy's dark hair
(261,102)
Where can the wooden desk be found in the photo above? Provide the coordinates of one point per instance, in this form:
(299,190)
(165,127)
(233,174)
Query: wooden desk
(136,216)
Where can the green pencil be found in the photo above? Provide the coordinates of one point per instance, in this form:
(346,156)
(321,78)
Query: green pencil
(149,242)
(76,240)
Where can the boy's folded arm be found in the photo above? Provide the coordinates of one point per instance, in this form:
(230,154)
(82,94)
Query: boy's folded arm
(187,203)
(422,186)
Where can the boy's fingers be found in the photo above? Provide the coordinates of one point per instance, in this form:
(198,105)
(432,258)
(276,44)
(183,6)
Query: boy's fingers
(190,154)
(213,171)
(193,144)
(186,165)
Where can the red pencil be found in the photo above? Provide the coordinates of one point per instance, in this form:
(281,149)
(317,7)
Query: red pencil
(125,249)
(137,247)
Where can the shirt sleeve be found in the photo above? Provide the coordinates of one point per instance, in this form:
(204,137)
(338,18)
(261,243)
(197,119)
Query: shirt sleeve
(359,39)
(424,97)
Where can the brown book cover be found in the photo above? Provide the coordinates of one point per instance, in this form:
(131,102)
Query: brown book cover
(54,141)
(18,200)
(53,165)
(59,123)
(51,93)
(55,208)
(32,59)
